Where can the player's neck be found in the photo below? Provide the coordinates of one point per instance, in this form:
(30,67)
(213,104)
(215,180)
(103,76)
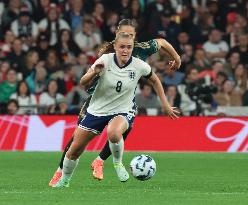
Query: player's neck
(120,63)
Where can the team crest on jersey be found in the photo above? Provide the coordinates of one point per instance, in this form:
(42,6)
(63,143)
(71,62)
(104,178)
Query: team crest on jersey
(131,75)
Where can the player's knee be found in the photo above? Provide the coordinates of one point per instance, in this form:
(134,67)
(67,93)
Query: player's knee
(114,136)
(73,154)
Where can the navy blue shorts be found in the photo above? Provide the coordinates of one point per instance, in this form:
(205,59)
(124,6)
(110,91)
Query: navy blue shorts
(96,124)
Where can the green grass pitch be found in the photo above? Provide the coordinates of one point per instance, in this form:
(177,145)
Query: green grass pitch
(181,179)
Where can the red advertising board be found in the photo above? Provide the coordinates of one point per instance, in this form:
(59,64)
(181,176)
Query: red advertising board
(204,134)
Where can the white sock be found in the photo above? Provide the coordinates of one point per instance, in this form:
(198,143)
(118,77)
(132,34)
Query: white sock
(117,150)
(99,158)
(59,169)
(69,167)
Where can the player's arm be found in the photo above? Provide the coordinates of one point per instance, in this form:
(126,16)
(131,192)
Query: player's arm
(172,112)
(175,62)
(91,73)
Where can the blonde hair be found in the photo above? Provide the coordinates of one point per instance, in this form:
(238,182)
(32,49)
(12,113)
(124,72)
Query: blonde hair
(108,47)
(122,35)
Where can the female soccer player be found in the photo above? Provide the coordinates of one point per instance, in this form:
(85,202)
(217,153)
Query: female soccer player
(141,50)
(112,104)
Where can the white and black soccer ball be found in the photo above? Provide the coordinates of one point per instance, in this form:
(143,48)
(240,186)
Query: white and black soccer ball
(143,167)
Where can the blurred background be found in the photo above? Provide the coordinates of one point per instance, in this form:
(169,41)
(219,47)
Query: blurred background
(46,46)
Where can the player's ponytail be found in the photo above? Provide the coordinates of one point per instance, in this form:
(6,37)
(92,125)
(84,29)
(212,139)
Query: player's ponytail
(107,47)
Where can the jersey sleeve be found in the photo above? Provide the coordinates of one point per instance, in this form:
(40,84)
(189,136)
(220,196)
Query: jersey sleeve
(147,70)
(145,49)
(103,59)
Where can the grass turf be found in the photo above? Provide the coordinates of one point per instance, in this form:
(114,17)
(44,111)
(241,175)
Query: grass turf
(181,179)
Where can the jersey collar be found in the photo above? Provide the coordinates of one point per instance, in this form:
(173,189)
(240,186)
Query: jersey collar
(116,62)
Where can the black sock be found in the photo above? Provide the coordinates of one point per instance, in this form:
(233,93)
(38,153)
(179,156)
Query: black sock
(105,153)
(63,155)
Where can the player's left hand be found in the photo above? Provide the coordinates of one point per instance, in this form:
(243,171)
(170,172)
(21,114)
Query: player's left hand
(174,64)
(172,112)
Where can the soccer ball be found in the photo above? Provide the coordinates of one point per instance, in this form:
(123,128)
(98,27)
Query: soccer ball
(143,167)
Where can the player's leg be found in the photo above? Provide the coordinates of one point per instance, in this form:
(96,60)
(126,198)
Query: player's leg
(105,152)
(98,164)
(116,127)
(58,172)
(81,139)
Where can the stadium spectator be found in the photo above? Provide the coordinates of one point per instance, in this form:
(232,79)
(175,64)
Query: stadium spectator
(206,24)
(153,15)
(187,18)
(219,16)
(10,13)
(231,64)
(110,26)
(188,106)
(68,80)
(12,107)
(122,8)
(31,60)
(98,14)
(81,65)
(242,48)
(4,67)
(42,45)
(240,78)
(37,80)
(52,24)
(75,15)
(87,38)
(220,78)
(136,14)
(50,97)
(147,99)
(17,56)
(210,74)
(215,47)
(8,87)
(66,48)
(232,34)
(172,77)
(227,96)
(61,108)
(187,57)
(41,10)
(173,96)
(26,101)
(182,40)
(6,44)
(76,98)
(25,26)
(167,28)
(52,63)
(201,61)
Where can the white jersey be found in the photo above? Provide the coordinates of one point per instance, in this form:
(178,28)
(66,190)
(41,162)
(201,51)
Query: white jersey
(115,90)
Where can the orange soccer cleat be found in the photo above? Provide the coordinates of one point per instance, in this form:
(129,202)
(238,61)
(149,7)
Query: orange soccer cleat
(97,167)
(56,177)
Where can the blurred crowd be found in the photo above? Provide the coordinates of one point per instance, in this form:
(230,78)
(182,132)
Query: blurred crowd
(47,45)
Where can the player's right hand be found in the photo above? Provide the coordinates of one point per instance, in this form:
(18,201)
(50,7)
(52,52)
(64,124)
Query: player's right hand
(98,68)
